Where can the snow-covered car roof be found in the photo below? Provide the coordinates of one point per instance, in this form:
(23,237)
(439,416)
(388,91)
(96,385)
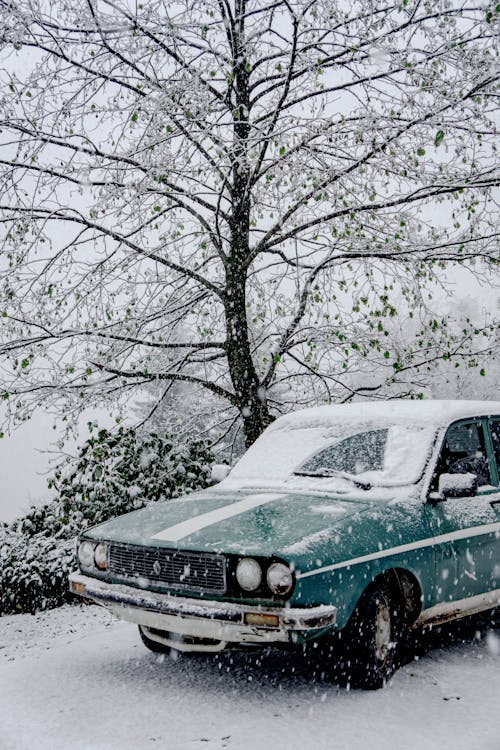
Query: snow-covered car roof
(412,427)
(430,412)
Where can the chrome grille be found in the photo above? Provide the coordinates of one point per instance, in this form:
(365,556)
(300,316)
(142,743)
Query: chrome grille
(176,569)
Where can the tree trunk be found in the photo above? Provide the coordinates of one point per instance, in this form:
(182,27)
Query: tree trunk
(251,396)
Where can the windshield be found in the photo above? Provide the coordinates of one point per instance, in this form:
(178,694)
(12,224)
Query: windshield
(377,454)
(354,455)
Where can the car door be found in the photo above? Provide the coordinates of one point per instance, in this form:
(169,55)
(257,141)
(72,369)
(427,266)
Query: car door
(466,528)
(494,429)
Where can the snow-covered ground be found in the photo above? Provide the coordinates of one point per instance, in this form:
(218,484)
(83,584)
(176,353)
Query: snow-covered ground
(75,679)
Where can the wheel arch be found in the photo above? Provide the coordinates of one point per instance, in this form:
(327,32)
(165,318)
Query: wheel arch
(404,586)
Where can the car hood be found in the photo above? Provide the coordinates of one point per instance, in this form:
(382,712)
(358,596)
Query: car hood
(242,522)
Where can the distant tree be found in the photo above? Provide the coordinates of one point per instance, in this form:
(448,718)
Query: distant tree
(279,178)
(480,375)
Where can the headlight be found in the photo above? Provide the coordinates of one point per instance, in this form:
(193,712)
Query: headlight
(86,554)
(279,578)
(248,574)
(101,556)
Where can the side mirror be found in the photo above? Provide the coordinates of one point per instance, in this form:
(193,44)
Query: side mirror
(457,485)
(219,472)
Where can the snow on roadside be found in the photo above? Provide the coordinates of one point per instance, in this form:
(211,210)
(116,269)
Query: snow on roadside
(25,636)
(75,678)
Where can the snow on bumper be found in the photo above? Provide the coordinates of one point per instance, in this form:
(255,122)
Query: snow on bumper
(223,622)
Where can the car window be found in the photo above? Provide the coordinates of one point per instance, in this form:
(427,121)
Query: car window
(495,438)
(353,455)
(464,452)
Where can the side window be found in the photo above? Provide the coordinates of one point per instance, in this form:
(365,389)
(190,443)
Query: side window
(495,439)
(464,452)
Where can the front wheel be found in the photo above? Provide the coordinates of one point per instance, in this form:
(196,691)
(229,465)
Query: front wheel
(373,637)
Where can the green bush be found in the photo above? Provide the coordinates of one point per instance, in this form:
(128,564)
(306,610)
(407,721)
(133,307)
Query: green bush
(114,473)
(33,571)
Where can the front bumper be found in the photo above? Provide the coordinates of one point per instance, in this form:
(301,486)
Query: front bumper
(219,623)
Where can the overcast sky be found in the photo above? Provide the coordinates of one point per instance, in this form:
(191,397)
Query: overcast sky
(28,456)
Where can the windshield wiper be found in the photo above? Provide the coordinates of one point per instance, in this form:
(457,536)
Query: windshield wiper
(334,473)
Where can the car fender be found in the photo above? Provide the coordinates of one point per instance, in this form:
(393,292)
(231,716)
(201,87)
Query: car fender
(410,577)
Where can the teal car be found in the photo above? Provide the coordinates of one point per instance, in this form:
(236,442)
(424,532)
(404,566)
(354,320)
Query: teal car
(348,524)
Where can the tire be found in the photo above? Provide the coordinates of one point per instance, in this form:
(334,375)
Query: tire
(154,646)
(373,639)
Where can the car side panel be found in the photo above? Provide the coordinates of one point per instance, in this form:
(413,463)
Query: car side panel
(391,536)
(346,586)
(466,562)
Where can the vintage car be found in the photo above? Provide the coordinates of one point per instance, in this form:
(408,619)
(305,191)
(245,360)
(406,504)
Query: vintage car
(349,523)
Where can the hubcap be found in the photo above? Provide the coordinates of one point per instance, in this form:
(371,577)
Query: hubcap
(382,632)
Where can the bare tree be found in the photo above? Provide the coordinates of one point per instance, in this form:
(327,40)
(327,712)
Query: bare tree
(279,179)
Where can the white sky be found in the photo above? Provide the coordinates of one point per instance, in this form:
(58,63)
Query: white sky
(28,456)
(23,465)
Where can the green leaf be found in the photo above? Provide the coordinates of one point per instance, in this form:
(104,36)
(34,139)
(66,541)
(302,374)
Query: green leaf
(134,117)
(420,151)
(157,208)
(25,363)
(387,355)
(482,372)
(439,137)
(282,150)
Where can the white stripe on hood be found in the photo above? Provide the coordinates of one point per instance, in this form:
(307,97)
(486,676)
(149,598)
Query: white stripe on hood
(191,526)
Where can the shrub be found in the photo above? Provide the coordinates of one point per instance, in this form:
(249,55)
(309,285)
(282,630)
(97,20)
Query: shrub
(33,571)
(114,473)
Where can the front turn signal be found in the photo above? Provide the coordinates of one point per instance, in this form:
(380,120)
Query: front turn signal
(262,619)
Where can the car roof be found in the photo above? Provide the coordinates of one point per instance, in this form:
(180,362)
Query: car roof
(429,412)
